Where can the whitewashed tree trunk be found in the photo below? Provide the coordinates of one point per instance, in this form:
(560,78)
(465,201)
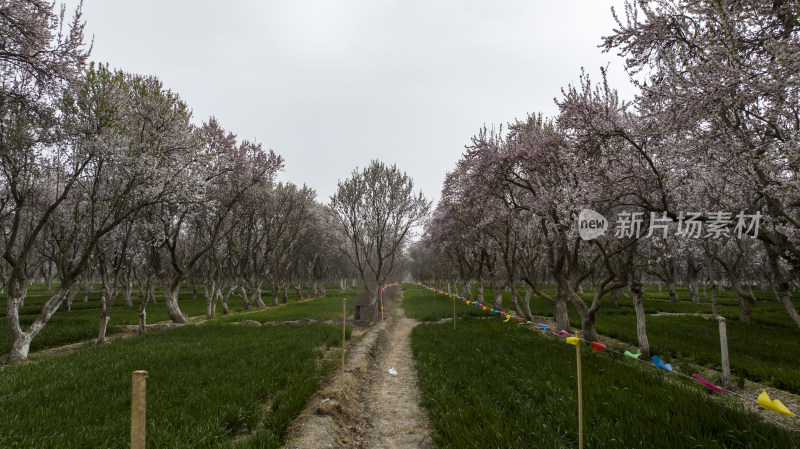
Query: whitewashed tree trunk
(641,324)
(173,309)
(143,314)
(467,290)
(127,289)
(274,288)
(210,299)
(526,305)
(255,296)
(725,377)
(21,340)
(106,301)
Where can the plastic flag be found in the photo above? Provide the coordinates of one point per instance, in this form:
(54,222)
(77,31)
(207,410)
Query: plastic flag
(597,347)
(707,383)
(774,405)
(632,355)
(660,363)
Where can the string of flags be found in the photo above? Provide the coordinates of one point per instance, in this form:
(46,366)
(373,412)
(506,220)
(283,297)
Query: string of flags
(383,289)
(763,399)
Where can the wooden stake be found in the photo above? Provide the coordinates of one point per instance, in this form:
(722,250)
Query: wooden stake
(725,379)
(454,313)
(580,393)
(381,305)
(344,325)
(138,407)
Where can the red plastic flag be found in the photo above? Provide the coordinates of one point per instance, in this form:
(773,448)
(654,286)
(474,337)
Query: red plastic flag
(597,347)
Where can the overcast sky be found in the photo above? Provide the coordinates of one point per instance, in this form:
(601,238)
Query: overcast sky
(331,85)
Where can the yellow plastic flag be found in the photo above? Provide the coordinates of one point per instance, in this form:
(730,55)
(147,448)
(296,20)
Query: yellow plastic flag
(774,405)
(508,317)
(573,340)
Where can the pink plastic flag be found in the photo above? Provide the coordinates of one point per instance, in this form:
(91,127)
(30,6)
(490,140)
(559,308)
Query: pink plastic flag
(707,383)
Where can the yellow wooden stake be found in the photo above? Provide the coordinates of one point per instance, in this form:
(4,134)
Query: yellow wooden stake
(454,313)
(344,325)
(138,407)
(580,393)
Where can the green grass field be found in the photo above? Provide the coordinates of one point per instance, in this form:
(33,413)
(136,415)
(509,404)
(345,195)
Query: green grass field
(319,308)
(489,384)
(82,322)
(206,384)
(762,351)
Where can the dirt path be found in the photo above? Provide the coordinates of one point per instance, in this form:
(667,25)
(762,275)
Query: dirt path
(395,418)
(370,408)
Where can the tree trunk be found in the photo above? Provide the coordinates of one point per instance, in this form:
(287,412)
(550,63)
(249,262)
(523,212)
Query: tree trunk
(785,297)
(613,297)
(105,309)
(143,314)
(515,303)
(285,293)
(560,310)
(245,297)
(257,293)
(211,297)
(747,301)
(641,324)
(68,300)
(299,290)
(671,288)
(49,275)
(691,279)
(255,297)
(21,340)
(498,298)
(480,292)
(468,290)
(526,305)
(714,311)
(274,288)
(171,299)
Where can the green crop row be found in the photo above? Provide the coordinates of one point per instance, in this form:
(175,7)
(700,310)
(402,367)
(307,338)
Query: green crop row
(489,384)
(762,351)
(206,385)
